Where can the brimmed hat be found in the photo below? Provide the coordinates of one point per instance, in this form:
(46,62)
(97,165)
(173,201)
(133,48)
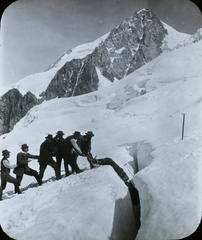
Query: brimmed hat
(5,152)
(24,146)
(90,133)
(50,136)
(60,133)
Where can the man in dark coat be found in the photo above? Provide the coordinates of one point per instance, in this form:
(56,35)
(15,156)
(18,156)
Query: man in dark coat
(22,165)
(47,150)
(58,142)
(5,174)
(69,147)
(108,161)
(85,145)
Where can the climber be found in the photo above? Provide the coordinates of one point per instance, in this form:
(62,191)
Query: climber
(70,147)
(47,150)
(22,165)
(108,161)
(5,174)
(85,146)
(59,154)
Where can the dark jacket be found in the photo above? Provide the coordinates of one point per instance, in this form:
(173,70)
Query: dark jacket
(58,145)
(4,170)
(46,152)
(68,147)
(22,163)
(85,144)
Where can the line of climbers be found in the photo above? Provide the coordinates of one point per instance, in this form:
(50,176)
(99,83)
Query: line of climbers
(66,149)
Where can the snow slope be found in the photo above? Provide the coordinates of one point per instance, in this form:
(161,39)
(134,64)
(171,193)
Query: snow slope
(143,134)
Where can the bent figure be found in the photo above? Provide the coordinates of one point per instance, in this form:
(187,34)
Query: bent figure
(71,149)
(22,165)
(85,145)
(5,173)
(108,161)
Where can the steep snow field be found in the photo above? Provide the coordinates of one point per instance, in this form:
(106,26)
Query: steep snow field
(142,133)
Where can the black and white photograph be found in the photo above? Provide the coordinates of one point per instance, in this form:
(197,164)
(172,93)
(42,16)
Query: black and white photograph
(101,119)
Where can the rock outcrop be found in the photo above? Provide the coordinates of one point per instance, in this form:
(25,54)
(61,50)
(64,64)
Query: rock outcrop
(14,106)
(136,41)
(76,77)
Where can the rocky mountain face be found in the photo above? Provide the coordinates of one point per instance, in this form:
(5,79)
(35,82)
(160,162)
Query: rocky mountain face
(136,41)
(76,77)
(14,106)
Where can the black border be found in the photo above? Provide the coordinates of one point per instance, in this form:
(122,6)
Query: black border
(197,235)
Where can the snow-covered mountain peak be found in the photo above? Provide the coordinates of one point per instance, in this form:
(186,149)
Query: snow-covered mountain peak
(136,41)
(77,52)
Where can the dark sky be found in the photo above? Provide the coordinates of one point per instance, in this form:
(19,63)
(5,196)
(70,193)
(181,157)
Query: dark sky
(5,3)
(35,33)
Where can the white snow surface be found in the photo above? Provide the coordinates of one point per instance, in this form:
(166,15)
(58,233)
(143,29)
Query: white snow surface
(173,37)
(141,133)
